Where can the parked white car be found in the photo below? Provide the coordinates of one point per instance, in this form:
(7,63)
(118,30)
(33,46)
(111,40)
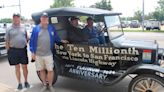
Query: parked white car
(3,51)
(152,24)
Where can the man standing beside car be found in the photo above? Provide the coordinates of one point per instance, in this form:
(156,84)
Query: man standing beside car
(41,45)
(16,42)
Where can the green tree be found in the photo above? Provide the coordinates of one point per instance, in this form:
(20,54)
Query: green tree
(159,15)
(159,11)
(62,3)
(161,5)
(6,20)
(104,4)
(138,15)
(149,16)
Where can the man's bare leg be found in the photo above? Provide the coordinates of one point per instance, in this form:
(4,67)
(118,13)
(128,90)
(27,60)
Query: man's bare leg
(43,76)
(50,76)
(18,73)
(18,76)
(25,72)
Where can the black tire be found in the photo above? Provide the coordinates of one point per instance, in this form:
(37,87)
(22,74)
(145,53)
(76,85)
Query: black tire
(147,28)
(55,76)
(138,84)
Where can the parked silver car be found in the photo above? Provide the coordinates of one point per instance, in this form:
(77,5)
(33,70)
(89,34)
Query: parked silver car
(134,24)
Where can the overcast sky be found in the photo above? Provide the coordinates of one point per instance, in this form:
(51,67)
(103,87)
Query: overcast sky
(126,7)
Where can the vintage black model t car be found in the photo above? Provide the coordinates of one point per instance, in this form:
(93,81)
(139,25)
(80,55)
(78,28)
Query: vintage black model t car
(109,62)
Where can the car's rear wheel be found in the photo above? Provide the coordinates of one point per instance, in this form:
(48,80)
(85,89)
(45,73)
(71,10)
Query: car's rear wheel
(55,76)
(146,83)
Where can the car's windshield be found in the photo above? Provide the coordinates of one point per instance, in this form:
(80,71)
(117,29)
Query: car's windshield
(134,21)
(113,26)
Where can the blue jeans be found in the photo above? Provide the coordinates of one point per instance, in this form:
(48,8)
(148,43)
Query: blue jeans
(101,39)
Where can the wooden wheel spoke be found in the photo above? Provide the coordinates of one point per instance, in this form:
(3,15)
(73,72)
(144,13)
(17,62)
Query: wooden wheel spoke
(139,89)
(142,86)
(156,87)
(152,84)
(147,84)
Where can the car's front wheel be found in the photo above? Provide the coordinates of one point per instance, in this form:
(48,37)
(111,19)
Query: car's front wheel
(55,76)
(159,29)
(147,28)
(146,83)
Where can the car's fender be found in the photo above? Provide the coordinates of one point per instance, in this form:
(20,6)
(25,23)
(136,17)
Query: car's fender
(138,69)
(145,69)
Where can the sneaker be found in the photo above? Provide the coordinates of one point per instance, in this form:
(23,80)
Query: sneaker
(44,88)
(27,85)
(20,87)
(51,89)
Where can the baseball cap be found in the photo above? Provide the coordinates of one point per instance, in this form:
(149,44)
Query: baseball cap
(44,14)
(16,14)
(74,18)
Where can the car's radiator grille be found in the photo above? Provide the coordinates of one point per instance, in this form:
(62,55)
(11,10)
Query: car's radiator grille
(2,37)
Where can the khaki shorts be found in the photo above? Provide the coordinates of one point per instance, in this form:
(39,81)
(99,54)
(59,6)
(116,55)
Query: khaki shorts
(44,62)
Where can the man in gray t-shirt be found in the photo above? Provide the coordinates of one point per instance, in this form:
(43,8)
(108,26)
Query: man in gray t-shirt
(16,41)
(43,43)
(16,36)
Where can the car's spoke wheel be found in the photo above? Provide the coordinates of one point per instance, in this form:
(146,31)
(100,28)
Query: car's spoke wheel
(54,79)
(147,83)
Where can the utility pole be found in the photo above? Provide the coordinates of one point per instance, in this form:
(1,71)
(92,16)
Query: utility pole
(19,7)
(143,14)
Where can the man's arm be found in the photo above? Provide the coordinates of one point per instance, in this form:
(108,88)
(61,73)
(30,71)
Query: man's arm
(26,34)
(31,44)
(7,43)
(7,39)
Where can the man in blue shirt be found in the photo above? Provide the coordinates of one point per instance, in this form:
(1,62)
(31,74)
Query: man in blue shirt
(41,45)
(92,33)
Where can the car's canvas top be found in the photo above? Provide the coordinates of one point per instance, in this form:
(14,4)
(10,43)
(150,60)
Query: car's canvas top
(73,11)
